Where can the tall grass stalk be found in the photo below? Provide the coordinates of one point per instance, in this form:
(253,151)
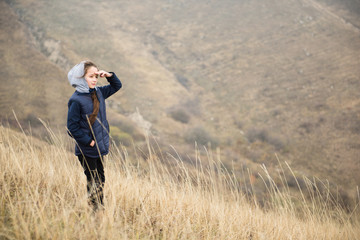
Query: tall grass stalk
(43,196)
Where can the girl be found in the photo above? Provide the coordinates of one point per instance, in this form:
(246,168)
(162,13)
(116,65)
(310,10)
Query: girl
(87,124)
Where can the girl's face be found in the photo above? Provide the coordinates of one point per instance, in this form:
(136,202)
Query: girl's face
(91,77)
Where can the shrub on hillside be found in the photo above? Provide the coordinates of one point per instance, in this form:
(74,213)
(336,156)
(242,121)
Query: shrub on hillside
(33,120)
(254,134)
(239,124)
(125,126)
(128,127)
(182,80)
(200,136)
(120,137)
(277,141)
(306,126)
(193,106)
(180,115)
(263,135)
(296,182)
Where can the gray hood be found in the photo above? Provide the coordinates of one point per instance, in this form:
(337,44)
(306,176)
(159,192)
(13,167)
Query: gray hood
(76,78)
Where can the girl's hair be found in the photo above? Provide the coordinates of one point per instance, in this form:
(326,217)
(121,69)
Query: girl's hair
(87,65)
(96,103)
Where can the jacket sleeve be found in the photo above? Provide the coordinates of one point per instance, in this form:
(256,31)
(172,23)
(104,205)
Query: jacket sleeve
(112,88)
(73,124)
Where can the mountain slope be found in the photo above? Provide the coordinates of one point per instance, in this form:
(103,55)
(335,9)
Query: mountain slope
(256,77)
(31,85)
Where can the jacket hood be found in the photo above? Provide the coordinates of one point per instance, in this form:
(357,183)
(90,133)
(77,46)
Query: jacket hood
(76,79)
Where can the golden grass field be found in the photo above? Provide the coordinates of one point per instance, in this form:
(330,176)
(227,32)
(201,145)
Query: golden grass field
(43,196)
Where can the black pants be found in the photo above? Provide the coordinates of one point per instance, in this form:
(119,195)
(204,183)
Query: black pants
(94,172)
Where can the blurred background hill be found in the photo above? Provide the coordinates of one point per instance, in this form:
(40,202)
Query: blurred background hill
(253,78)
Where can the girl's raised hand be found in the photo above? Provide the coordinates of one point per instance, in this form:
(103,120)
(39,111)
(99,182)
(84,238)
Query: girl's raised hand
(103,73)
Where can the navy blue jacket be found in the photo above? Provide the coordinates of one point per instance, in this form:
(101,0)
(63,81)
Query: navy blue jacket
(80,106)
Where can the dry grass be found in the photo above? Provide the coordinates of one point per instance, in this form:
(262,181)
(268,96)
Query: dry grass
(44,197)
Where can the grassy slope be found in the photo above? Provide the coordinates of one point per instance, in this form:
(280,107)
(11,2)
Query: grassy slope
(286,67)
(44,197)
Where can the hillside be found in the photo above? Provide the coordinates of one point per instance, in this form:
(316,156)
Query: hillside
(253,77)
(30,84)
(44,197)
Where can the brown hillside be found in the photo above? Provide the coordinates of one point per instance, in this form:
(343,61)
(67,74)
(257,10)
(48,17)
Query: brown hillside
(254,77)
(31,85)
